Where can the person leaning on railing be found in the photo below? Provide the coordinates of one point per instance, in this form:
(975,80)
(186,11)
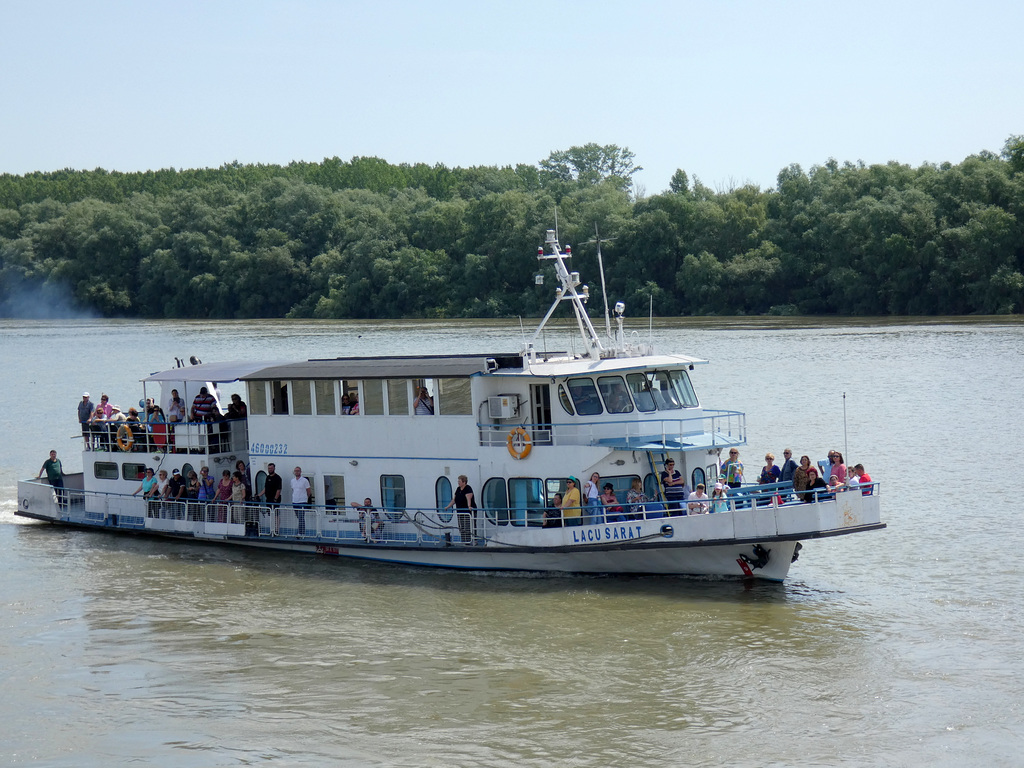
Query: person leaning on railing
(99,436)
(203,406)
(464,502)
(148,488)
(553,514)
(571,512)
(636,498)
(238,497)
(207,490)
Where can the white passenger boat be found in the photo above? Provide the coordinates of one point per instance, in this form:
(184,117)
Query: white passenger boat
(517,425)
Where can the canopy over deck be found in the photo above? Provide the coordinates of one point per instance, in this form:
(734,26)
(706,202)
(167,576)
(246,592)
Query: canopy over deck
(204,372)
(652,443)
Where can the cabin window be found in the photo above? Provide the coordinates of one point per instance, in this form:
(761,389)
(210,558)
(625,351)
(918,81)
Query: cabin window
(349,397)
(453,397)
(392,495)
(526,499)
(697,477)
(443,497)
(620,484)
(257,398)
(652,489)
(302,403)
(259,482)
(398,397)
(185,469)
(554,485)
(426,406)
(614,394)
(334,490)
(133,471)
(641,390)
(323,393)
(373,398)
(104,470)
(682,385)
(495,500)
(563,398)
(665,396)
(584,396)
(712,472)
(279,397)
(672,390)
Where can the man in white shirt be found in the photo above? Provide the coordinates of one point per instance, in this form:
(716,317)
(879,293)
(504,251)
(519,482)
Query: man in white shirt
(302,497)
(697,502)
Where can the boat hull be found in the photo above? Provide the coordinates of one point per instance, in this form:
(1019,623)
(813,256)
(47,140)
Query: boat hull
(754,543)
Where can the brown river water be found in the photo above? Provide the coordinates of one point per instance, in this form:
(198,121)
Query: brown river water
(902,647)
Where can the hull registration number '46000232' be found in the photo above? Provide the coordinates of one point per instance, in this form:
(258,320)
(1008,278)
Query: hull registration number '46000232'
(268,449)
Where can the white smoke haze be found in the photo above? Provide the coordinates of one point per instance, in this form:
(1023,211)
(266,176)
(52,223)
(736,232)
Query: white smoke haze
(45,301)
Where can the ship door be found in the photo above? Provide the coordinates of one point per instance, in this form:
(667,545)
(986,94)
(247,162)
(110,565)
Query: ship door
(540,397)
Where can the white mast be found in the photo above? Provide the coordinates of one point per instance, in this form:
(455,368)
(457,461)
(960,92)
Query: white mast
(567,292)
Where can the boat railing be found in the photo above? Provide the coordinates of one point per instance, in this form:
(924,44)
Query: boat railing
(709,430)
(335,526)
(193,437)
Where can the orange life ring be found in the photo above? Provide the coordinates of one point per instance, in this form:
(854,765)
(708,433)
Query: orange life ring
(519,443)
(125,438)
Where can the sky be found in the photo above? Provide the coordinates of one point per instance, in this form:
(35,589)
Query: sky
(730,92)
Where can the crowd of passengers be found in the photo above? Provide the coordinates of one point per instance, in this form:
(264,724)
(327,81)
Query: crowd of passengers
(595,503)
(201,496)
(227,495)
(150,426)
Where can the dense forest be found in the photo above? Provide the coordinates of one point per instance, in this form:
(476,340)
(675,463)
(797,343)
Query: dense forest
(367,239)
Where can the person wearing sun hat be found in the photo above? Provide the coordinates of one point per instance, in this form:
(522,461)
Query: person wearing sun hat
(571,502)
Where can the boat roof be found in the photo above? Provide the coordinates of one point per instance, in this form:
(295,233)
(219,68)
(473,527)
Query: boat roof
(386,367)
(584,366)
(418,366)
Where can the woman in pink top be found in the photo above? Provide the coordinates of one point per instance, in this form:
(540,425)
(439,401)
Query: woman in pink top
(837,466)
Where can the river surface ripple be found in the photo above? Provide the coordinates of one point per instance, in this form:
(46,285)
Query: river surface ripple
(899,648)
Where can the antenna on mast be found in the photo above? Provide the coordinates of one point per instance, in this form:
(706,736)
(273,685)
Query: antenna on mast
(846,443)
(650,323)
(604,289)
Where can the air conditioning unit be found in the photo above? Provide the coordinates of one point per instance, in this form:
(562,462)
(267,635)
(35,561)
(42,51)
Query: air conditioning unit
(503,406)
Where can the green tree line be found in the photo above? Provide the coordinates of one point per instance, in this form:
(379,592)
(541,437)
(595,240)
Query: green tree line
(368,239)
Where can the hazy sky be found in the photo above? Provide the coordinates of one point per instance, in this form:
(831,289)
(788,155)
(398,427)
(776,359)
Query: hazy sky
(729,91)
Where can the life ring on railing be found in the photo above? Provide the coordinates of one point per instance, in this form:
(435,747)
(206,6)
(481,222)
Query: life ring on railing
(519,444)
(125,438)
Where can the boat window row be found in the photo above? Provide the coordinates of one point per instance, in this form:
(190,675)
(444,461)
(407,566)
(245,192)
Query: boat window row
(644,391)
(129,470)
(497,492)
(367,397)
